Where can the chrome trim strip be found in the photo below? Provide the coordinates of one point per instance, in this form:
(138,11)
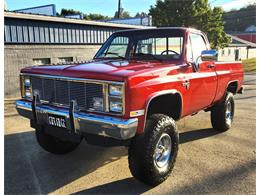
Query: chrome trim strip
(89,123)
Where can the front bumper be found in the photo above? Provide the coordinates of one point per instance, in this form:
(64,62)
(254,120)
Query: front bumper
(80,122)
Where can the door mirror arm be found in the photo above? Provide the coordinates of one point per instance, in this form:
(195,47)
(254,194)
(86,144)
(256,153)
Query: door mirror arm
(193,65)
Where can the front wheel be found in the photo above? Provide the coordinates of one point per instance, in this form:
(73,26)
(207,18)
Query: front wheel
(222,114)
(152,155)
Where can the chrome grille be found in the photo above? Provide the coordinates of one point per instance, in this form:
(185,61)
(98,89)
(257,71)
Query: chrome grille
(56,91)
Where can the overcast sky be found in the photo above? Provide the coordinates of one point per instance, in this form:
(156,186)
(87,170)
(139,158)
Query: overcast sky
(108,7)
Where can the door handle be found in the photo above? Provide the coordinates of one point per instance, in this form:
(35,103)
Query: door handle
(211,65)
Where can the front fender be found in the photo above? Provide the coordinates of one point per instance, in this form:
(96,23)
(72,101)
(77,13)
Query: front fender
(142,119)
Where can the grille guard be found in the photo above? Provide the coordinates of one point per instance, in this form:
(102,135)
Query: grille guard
(117,128)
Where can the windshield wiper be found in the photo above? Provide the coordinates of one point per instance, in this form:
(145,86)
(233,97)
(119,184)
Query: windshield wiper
(148,55)
(116,54)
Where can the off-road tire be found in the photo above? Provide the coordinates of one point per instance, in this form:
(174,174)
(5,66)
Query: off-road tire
(53,144)
(218,116)
(142,148)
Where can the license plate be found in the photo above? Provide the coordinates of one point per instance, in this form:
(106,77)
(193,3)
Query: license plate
(57,121)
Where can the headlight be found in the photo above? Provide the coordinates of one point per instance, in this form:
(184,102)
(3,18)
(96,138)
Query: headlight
(116,105)
(115,90)
(27,82)
(28,93)
(26,87)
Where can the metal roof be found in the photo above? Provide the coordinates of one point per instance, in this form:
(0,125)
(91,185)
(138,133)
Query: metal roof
(236,41)
(8,14)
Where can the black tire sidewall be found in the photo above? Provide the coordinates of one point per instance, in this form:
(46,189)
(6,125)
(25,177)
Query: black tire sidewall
(171,131)
(141,151)
(218,113)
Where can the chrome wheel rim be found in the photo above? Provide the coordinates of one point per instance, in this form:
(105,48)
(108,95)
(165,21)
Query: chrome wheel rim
(162,151)
(229,113)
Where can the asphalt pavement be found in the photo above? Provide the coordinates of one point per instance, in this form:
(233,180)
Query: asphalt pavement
(208,161)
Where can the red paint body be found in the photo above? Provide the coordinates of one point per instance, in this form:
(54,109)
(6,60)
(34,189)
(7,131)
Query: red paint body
(147,79)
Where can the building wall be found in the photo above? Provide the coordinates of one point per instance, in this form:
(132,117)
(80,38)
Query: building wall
(228,53)
(36,39)
(20,56)
(252,53)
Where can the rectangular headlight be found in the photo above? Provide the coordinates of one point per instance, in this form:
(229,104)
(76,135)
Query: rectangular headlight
(26,87)
(115,90)
(116,105)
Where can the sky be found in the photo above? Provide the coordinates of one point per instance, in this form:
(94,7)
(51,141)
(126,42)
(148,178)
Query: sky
(108,7)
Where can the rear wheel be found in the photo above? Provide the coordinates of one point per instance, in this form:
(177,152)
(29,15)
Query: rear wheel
(53,144)
(152,154)
(222,114)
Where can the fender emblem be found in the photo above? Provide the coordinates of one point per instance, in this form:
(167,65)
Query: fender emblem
(186,84)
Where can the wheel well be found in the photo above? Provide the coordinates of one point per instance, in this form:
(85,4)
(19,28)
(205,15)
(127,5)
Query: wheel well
(169,104)
(232,87)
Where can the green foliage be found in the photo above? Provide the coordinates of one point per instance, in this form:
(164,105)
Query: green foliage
(249,65)
(239,20)
(95,17)
(123,14)
(192,13)
(142,14)
(65,12)
(85,16)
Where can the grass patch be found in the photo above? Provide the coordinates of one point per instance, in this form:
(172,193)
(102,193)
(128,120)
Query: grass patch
(249,65)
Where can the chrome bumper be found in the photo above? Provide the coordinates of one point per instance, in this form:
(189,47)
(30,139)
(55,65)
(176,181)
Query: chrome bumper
(79,121)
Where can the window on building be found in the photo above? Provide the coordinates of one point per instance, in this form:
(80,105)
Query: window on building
(229,51)
(41,61)
(223,52)
(65,59)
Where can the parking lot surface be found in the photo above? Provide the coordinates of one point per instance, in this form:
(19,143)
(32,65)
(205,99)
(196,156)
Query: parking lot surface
(208,161)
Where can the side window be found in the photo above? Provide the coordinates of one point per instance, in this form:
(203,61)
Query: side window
(189,51)
(198,45)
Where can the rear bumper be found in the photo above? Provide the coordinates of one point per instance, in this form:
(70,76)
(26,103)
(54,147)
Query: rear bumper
(80,122)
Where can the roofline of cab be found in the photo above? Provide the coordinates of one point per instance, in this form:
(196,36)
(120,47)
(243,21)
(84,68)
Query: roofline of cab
(183,29)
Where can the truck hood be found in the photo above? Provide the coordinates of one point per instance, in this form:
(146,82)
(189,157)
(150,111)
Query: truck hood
(115,70)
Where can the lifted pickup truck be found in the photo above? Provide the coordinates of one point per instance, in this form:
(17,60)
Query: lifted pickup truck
(138,84)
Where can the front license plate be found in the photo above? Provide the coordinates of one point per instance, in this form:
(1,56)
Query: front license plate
(57,121)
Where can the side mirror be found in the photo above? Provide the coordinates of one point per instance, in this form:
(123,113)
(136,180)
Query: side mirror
(209,55)
(206,55)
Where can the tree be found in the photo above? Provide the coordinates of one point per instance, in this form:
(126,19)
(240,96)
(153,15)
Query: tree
(192,13)
(95,17)
(90,16)
(123,14)
(239,20)
(141,15)
(65,12)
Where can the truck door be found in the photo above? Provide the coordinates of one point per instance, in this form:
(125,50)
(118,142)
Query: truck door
(202,81)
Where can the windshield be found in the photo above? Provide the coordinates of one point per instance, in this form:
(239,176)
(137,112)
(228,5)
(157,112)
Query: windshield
(154,46)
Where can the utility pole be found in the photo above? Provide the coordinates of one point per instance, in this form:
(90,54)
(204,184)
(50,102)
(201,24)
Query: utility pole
(119,9)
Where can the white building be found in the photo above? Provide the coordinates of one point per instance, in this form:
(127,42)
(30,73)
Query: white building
(238,49)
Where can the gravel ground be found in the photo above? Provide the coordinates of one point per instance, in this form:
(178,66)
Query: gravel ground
(208,161)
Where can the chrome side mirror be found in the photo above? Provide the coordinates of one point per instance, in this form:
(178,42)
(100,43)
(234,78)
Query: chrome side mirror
(206,55)
(209,55)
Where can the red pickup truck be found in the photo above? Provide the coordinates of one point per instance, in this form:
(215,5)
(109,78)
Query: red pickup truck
(132,92)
